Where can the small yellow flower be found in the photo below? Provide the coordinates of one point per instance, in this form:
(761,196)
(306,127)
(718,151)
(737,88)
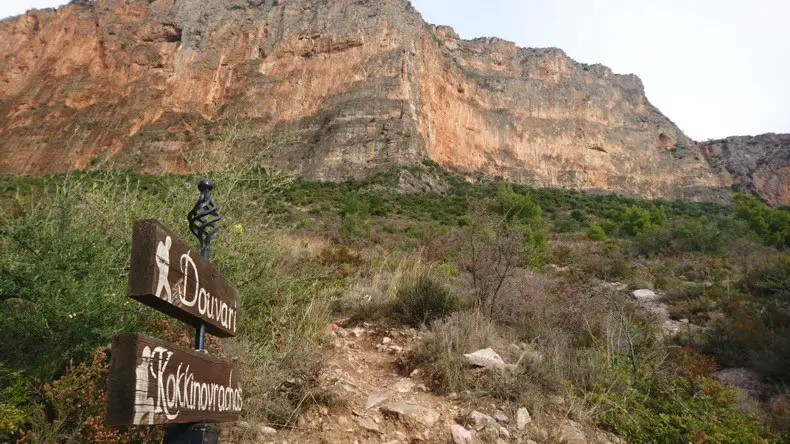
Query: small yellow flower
(238,228)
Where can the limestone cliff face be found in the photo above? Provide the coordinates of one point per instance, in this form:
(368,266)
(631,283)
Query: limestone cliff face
(327,88)
(756,164)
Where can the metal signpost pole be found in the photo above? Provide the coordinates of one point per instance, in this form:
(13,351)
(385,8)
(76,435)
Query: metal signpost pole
(203,223)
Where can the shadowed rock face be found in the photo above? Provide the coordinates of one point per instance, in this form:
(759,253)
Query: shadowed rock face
(329,89)
(757,164)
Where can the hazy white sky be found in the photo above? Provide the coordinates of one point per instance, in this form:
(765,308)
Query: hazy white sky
(715,67)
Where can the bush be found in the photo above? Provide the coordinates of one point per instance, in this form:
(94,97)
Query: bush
(685,235)
(566,225)
(771,225)
(513,205)
(611,266)
(446,341)
(579,216)
(355,216)
(596,233)
(770,277)
(78,403)
(493,249)
(421,299)
(15,406)
(633,221)
(750,335)
(662,407)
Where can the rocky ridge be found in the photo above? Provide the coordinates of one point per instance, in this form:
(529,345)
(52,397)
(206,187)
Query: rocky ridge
(759,165)
(329,90)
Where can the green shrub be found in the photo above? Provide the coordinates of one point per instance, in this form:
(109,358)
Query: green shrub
(421,299)
(633,221)
(770,277)
(78,402)
(513,205)
(566,225)
(355,217)
(609,266)
(771,225)
(685,235)
(596,233)
(15,405)
(752,334)
(661,407)
(578,216)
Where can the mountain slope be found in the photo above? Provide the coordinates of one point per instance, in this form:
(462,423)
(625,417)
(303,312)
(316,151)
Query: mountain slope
(347,87)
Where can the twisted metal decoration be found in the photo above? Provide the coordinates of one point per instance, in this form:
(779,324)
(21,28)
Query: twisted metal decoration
(203,221)
(204,217)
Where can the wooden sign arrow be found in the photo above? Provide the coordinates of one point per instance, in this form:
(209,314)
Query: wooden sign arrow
(155,382)
(171,277)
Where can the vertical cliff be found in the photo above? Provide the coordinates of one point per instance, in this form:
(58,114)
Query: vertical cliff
(346,87)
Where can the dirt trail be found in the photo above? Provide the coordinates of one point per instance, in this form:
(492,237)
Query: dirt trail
(379,405)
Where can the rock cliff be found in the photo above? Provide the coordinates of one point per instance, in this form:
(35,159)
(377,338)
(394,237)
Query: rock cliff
(759,165)
(327,88)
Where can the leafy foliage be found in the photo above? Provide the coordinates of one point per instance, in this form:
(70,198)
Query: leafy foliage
(421,299)
(514,206)
(65,252)
(78,400)
(683,235)
(770,277)
(661,407)
(771,225)
(355,216)
(596,233)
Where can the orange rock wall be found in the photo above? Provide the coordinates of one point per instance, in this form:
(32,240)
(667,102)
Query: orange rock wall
(328,89)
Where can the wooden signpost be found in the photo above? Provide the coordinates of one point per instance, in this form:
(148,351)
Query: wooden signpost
(155,382)
(171,277)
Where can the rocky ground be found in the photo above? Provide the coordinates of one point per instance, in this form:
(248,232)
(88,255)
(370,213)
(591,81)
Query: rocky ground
(379,404)
(747,382)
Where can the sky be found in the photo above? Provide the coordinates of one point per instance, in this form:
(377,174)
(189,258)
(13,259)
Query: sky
(716,68)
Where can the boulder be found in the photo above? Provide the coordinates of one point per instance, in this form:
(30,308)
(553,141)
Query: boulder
(479,420)
(459,435)
(377,398)
(644,295)
(745,379)
(486,358)
(368,424)
(500,416)
(409,412)
(266,430)
(522,418)
(571,433)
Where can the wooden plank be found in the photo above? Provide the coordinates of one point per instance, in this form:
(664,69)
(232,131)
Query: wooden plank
(155,382)
(171,277)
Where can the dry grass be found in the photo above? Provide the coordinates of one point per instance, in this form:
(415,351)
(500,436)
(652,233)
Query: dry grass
(446,341)
(371,298)
(279,386)
(564,332)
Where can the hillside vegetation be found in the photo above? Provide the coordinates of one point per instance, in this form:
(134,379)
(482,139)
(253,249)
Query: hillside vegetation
(471,265)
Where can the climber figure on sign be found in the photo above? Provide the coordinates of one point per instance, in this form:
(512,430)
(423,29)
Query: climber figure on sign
(163,263)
